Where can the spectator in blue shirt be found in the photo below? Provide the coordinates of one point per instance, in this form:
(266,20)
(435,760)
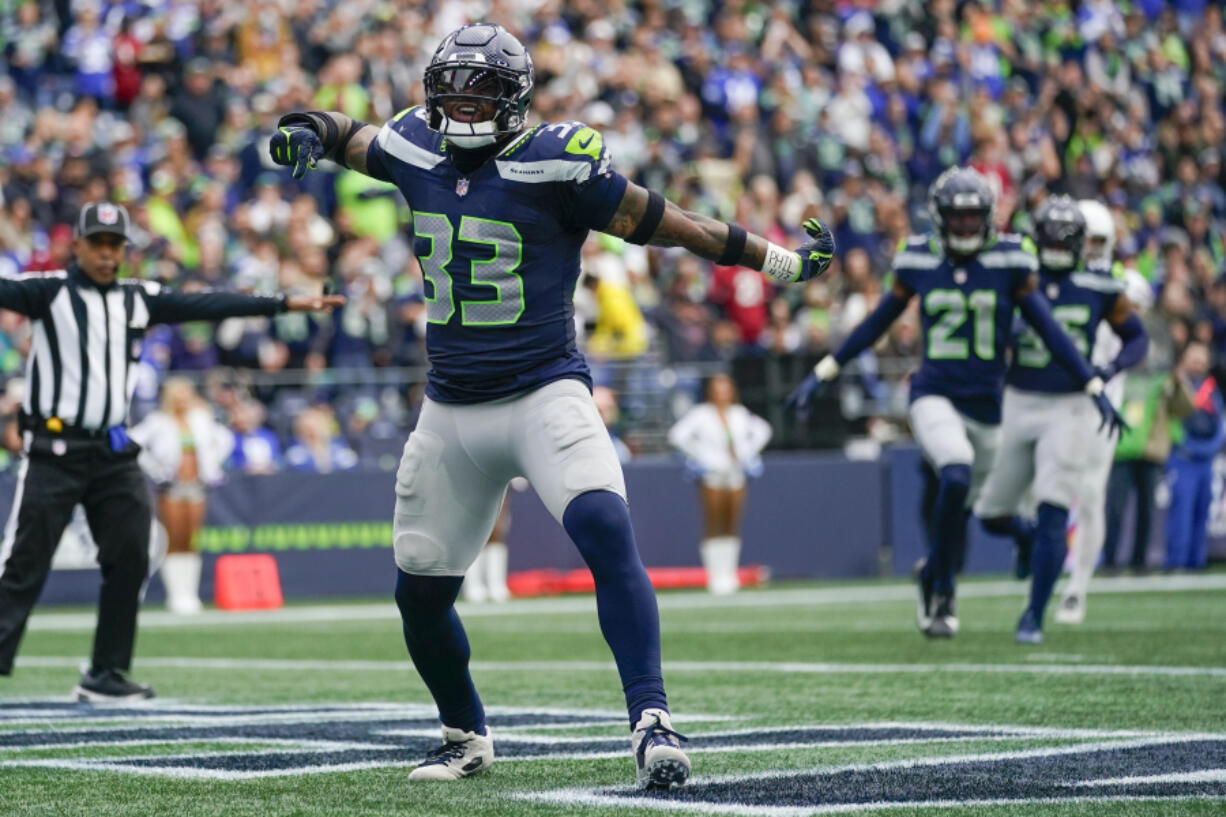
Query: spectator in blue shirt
(317,449)
(256,449)
(1190,469)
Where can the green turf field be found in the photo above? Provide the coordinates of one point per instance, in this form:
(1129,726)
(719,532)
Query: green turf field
(798,700)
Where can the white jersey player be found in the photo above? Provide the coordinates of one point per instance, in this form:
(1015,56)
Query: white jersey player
(1091,496)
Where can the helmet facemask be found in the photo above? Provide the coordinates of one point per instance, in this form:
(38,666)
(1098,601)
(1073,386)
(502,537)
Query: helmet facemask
(472,104)
(1060,233)
(966,229)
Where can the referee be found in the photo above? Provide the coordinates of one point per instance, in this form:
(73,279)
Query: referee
(87,328)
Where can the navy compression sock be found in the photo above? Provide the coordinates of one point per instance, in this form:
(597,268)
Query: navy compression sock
(439,647)
(599,524)
(948,515)
(1047,558)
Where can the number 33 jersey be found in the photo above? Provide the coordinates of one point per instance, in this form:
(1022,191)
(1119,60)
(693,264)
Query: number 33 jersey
(966,314)
(499,250)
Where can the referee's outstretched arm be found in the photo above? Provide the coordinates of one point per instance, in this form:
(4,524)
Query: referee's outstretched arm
(30,293)
(168,306)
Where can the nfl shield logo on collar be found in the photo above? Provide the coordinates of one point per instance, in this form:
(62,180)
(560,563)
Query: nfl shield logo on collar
(461,187)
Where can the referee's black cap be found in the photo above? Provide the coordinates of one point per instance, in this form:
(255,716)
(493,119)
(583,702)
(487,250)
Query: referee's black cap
(103,217)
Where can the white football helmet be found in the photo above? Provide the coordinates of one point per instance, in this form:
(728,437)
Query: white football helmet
(1100,230)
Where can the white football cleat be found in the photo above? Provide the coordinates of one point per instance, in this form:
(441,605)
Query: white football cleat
(657,752)
(462,753)
(1071,610)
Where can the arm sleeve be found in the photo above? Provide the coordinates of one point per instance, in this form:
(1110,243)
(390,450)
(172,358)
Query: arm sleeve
(166,306)
(871,328)
(592,205)
(1136,344)
(1038,314)
(27,294)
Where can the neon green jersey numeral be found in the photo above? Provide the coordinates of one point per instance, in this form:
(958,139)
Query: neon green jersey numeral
(1073,319)
(499,272)
(952,307)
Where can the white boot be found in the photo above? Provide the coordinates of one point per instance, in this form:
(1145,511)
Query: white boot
(729,561)
(181,577)
(720,557)
(496,571)
(474,580)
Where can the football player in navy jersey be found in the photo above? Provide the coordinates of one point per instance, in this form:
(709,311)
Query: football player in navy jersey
(969,281)
(500,211)
(1047,428)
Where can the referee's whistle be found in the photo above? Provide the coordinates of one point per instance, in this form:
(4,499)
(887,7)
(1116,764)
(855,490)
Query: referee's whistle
(55,425)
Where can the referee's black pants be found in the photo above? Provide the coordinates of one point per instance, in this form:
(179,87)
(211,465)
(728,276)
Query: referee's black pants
(112,490)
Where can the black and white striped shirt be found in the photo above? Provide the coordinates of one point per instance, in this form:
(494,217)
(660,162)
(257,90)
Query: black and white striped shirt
(86,338)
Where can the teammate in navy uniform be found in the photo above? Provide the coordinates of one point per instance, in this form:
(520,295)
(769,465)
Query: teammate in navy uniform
(969,280)
(1048,428)
(500,211)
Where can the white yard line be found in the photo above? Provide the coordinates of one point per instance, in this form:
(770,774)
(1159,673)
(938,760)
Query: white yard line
(790,597)
(589,797)
(584,798)
(757,667)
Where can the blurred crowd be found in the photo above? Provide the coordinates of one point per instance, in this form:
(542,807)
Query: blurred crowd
(763,113)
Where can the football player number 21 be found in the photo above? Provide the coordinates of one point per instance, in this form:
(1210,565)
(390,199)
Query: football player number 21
(952,306)
(498,272)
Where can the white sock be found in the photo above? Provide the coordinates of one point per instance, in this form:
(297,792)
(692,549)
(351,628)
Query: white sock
(474,580)
(496,571)
(707,551)
(181,577)
(720,555)
(1091,531)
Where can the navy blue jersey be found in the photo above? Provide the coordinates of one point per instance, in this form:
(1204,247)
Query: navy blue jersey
(1079,302)
(499,251)
(966,311)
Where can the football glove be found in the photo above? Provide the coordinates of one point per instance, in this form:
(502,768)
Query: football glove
(816,253)
(295,146)
(1112,421)
(814,384)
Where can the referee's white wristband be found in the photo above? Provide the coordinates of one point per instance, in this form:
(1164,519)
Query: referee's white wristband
(1094,386)
(827,368)
(781,264)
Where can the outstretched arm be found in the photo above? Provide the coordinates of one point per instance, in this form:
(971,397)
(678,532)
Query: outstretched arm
(167,306)
(1125,323)
(302,138)
(892,304)
(645,217)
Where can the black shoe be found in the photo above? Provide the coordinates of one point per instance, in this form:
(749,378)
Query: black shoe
(944,622)
(109,685)
(923,609)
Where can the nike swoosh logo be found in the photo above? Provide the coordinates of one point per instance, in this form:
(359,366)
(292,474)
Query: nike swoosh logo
(588,142)
(472,765)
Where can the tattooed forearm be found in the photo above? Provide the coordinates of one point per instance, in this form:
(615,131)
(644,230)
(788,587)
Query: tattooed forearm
(701,235)
(704,236)
(355,152)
